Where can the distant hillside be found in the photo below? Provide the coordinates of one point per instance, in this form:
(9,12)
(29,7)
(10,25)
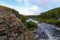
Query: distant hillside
(32,16)
(54,13)
(50,16)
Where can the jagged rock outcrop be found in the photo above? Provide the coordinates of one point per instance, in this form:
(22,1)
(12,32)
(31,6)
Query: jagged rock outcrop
(11,28)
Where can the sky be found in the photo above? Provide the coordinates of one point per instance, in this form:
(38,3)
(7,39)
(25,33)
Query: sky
(31,7)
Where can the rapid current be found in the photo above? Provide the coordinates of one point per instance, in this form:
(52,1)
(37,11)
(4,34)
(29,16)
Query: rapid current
(45,31)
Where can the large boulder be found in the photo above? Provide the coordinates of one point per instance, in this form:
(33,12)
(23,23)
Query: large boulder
(11,28)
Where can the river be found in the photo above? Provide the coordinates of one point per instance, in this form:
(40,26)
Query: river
(45,31)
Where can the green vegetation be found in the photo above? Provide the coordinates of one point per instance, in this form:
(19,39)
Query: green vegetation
(30,25)
(11,24)
(54,13)
(6,9)
(50,16)
(23,18)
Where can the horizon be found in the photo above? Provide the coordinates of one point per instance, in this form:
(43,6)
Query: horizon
(31,7)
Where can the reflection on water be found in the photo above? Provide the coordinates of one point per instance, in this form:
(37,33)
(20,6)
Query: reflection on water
(44,31)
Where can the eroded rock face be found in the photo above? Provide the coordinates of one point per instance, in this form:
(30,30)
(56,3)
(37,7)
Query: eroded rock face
(11,28)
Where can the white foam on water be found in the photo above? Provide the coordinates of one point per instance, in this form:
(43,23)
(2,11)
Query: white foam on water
(43,27)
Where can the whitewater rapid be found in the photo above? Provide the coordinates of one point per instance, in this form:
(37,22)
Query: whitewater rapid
(44,30)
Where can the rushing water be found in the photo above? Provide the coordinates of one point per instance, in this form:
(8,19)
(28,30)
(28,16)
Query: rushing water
(45,31)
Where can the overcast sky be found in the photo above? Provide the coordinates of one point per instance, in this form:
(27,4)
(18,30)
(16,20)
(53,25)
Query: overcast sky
(31,7)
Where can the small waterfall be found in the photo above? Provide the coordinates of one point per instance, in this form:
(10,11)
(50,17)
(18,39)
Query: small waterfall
(31,20)
(43,29)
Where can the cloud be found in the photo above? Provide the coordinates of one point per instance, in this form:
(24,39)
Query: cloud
(40,2)
(25,10)
(37,2)
(28,8)
(18,1)
(33,10)
(56,1)
(34,7)
(52,4)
